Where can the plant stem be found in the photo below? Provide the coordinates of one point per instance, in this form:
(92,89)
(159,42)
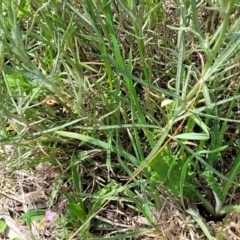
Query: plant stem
(221,37)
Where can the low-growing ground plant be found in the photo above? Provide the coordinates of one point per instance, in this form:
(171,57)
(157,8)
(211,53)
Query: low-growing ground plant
(123,114)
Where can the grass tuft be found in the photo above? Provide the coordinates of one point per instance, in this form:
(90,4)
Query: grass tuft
(119,119)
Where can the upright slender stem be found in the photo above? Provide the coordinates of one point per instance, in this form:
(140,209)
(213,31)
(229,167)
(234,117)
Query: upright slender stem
(221,37)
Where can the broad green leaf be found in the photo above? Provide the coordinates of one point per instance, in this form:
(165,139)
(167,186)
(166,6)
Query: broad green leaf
(3,226)
(77,211)
(167,170)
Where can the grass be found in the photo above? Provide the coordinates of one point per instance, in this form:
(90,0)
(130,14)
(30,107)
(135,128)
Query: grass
(120,119)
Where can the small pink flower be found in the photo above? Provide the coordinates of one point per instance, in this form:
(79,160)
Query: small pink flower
(49,215)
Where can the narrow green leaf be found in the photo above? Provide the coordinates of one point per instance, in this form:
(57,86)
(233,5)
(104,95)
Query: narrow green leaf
(192,136)
(30,216)
(182,179)
(206,164)
(198,219)
(76,175)
(232,174)
(103,195)
(200,123)
(139,80)
(129,235)
(207,96)
(99,143)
